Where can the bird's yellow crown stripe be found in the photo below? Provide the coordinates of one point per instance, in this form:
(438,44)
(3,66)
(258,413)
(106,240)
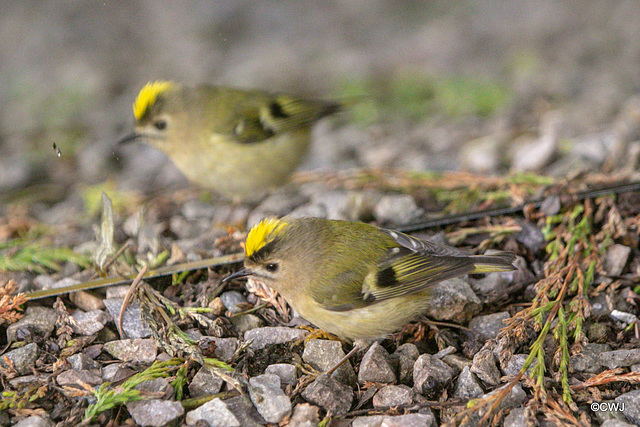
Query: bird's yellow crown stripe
(262,233)
(148,96)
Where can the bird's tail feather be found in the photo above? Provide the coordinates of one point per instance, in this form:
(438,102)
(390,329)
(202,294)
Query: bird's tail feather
(501,261)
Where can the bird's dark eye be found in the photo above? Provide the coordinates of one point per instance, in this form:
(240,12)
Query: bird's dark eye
(272,267)
(160,124)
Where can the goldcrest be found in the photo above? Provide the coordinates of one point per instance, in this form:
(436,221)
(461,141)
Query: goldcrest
(352,279)
(239,143)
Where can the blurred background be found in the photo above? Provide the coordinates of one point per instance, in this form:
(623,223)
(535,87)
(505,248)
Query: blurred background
(489,87)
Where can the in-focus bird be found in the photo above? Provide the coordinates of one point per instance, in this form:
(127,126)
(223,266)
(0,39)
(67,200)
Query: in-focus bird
(352,279)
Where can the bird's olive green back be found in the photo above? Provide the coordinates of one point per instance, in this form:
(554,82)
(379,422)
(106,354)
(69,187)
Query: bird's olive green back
(352,265)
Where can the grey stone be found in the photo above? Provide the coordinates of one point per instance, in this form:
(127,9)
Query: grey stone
(430,373)
(277,204)
(457,362)
(515,364)
(195,209)
(515,418)
(155,412)
(426,419)
(72,377)
(624,317)
(616,258)
(408,349)
(94,350)
(324,355)
(23,358)
(336,204)
(631,402)
(38,320)
(263,337)
(34,421)
(309,210)
(362,204)
(116,372)
(132,324)
(63,283)
(393,395)
(204,383)
(246,322)
(482,154)
(86,301)
(43,281)
(606,412)
(531,237)
(376,366)
(194,334)
(285,371)
(215,412)
(245,411)
(467,386)
(233,301)
(489,325)
(136,350)
(158,387)
(304,415)
(448,351)
(28,380)
(617,358)
(397,209)
(551,205)
(115,292)
(615,423)
(217,307)
(513,399)
(81,361)
(16,173)
(485,367)
(149,235)
(88,323)
(330,394)
(163,357)
(453,300)
(225,348)
(600,307)
(533,154)
(592,148)
(405,357)
(268,398)
(490,288)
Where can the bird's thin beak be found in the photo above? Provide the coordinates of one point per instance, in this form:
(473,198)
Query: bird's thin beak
(131,137)
(243,272)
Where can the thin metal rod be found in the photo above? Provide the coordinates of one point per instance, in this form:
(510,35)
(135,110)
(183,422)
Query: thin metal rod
(471,216)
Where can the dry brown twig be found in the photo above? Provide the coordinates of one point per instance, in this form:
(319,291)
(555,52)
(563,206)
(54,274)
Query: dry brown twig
(268,295)
(127,298)
(558,413)
(609,376)
(10,304)
(64,322)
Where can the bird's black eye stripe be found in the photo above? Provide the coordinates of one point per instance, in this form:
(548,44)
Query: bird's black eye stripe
(387,278)
(160,124)
(277,111)
(272,267)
